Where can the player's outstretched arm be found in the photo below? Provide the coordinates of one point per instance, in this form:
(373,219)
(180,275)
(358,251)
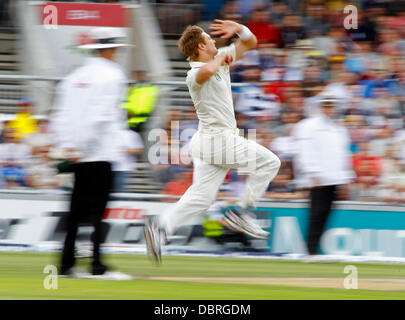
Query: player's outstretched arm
(227,28)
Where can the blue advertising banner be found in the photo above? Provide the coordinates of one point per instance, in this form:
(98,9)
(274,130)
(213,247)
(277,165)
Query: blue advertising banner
(352,229)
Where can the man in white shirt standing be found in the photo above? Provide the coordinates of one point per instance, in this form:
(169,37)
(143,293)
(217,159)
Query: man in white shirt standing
(323,164)
(132,145)
(87,125)
(217,146)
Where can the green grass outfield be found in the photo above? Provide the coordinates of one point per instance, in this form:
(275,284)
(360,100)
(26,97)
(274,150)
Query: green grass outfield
(22,277)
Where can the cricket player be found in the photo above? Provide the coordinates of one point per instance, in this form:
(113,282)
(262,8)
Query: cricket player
(217,146)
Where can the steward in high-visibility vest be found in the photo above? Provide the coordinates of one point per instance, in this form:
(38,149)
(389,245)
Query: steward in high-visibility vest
(23,123)
(212,228)
(141,101)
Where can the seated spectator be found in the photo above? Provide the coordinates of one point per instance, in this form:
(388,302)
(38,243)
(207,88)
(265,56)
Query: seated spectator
(359,133)
(259,23)
(366,166)
(366,29)
(41,137)
(380,141)
(284,145)
(279,10)
(14,157)
(132,146)
(252,100)
(399,140)
(41,170)
(183,178)
(315,18)
(389,39)
(282,187)
(377,79)
(292,30)
(276,72)
(392,180)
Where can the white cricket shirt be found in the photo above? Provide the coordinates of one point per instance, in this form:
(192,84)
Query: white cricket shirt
(213,99)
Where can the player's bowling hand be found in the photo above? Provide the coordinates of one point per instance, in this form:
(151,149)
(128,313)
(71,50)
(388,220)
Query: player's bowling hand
(225,58)
(224,28)
(228,59)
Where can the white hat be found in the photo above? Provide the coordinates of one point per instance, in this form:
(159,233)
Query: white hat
(104,38)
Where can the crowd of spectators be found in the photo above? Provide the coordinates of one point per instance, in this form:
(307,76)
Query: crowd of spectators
(302,53)
(304,50)
(26,147)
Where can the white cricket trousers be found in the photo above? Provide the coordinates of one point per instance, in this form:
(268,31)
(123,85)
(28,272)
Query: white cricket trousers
(213,156)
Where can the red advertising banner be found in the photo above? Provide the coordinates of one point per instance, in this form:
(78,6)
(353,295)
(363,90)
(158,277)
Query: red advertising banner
(124,213)
(82,14)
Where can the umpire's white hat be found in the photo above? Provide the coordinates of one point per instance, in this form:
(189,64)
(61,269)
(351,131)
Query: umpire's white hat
(104,38)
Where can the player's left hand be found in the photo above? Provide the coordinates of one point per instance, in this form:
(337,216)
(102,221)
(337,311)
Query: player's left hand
(224,28)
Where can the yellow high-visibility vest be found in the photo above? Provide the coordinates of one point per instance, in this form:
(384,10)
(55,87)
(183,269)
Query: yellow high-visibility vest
(23,125)
(212,228)
(140,103)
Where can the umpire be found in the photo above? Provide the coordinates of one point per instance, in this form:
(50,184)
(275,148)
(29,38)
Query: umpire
(87,125)
(323,165)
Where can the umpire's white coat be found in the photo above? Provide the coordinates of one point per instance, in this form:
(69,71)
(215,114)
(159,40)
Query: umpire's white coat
(323,152)
(87,116)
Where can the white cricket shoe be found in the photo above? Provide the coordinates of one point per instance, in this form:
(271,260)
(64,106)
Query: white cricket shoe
(244,223)
(153,240)
(108,275)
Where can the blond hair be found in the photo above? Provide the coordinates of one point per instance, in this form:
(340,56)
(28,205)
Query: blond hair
(189,41)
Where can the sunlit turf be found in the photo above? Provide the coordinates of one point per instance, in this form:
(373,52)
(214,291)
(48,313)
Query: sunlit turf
(22,277)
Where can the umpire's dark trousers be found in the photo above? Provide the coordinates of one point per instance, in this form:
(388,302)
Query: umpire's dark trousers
(92,185)
(321,205)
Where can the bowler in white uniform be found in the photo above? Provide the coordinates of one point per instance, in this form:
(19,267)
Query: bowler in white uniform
(217,146)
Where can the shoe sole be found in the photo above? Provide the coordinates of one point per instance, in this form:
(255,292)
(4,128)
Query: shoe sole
(240,229)
(156,256)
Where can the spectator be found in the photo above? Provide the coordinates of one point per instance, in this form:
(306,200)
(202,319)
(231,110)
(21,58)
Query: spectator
(252,100)
(41,137)
(392,179)
(42,172)
(292,30)
(183,178)
(314,19)
(141,101)
(283,187)
(14,157)
(284,145)
(366,166)
(23,123)
(259,24)
(132,146)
